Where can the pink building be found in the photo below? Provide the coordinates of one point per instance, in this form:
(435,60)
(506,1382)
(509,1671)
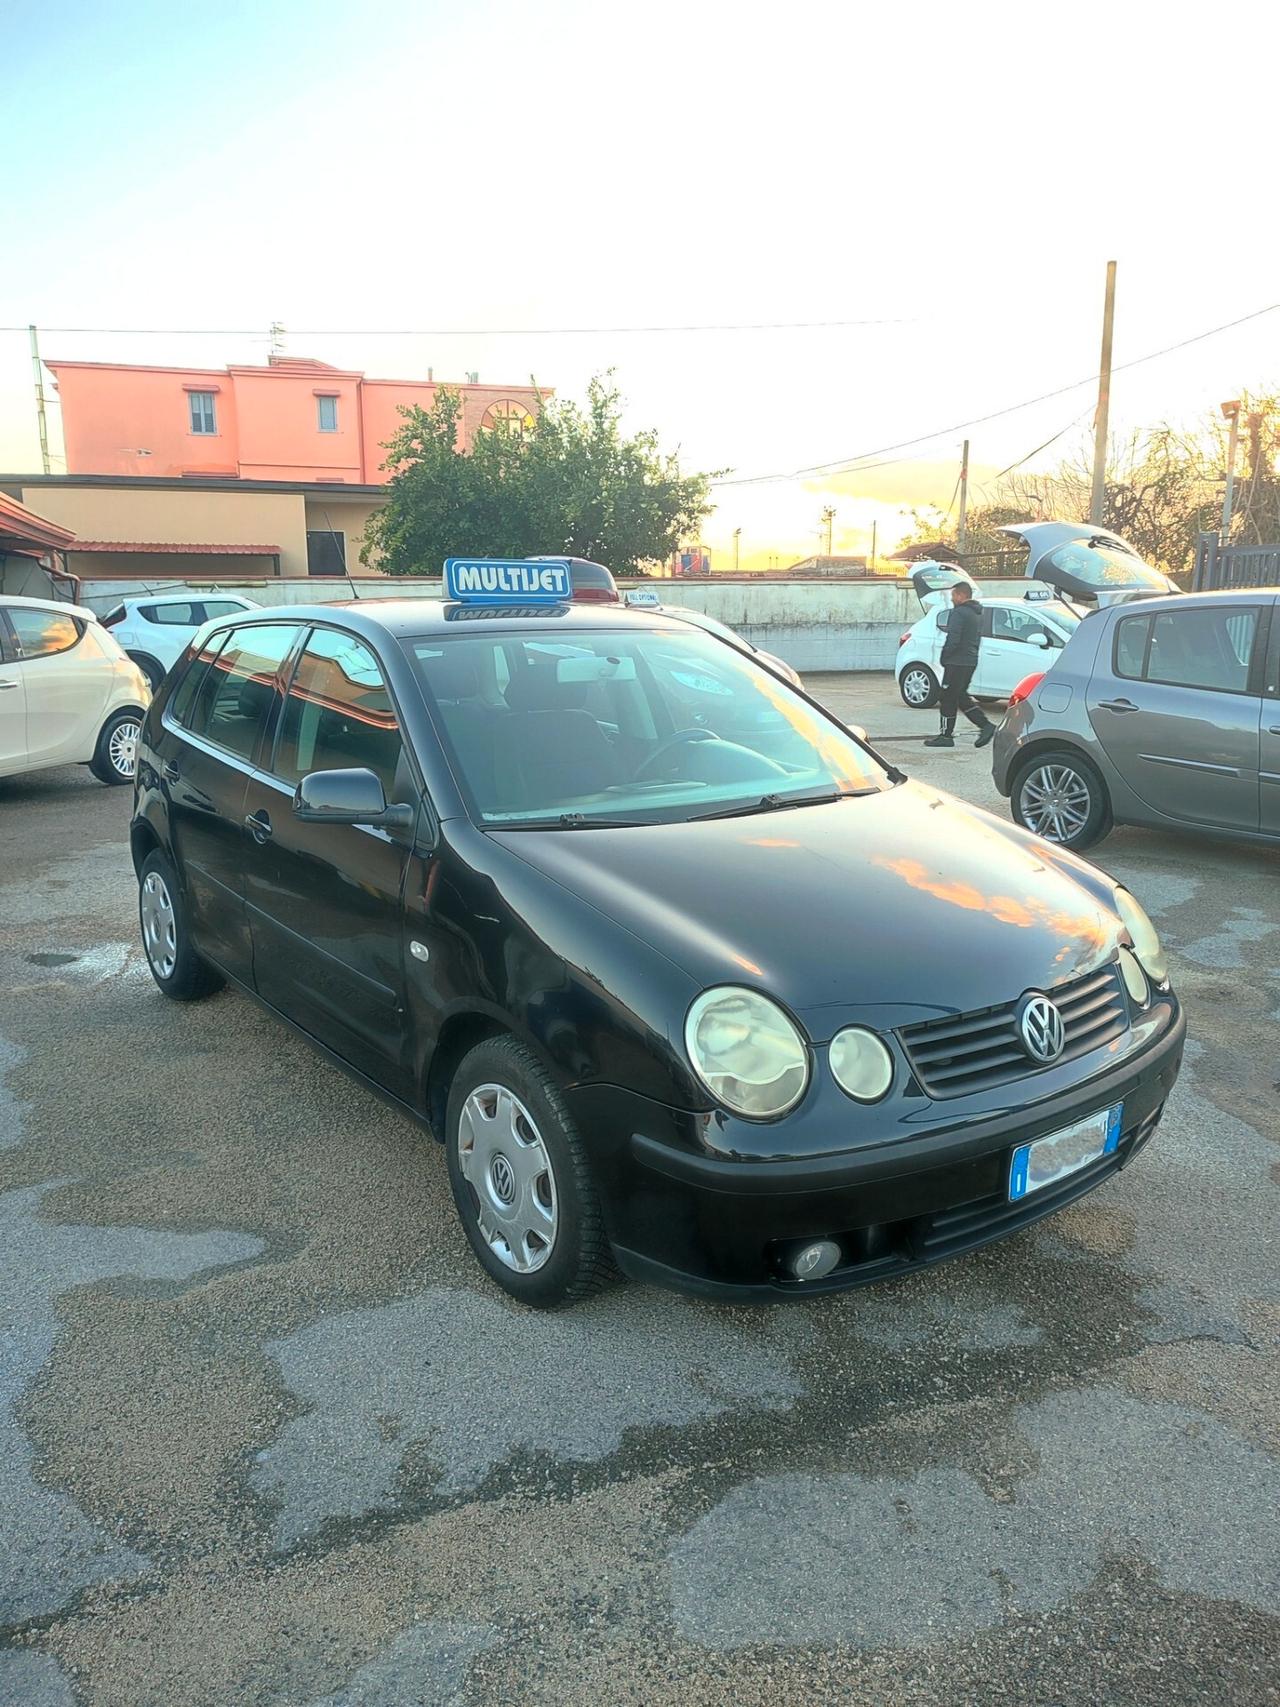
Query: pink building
(294,419)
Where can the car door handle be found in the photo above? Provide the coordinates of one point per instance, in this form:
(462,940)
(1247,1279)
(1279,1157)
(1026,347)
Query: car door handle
(8,684)
(170,772)
(1273,729)
(1117,705)
(258,825)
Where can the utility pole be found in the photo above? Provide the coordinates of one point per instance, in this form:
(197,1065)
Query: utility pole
(277,338)
(737,535)
(962,529)
(828,516)
(1232,413)
(1098,496)
(38,370)
(873,548)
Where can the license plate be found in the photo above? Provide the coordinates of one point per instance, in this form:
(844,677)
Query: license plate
(1058,1154)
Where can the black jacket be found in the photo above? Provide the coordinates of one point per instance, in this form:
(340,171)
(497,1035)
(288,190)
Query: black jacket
(964,633)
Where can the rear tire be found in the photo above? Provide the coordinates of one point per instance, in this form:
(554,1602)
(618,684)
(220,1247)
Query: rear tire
(115,758)
(151,670)
(919,687)
(521,1180)
(178,970)
(1060,796)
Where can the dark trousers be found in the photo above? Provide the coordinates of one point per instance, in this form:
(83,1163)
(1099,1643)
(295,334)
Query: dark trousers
(955,696)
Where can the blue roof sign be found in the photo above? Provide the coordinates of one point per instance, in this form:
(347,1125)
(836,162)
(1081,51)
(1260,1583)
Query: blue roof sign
(506,581)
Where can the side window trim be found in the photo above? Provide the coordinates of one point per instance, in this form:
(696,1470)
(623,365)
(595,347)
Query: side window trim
(8,641)
(1146,649)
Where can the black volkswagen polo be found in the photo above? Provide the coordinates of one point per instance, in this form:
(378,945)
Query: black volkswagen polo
(687,980)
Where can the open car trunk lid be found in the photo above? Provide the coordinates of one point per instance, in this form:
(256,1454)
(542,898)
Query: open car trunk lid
(1088,564)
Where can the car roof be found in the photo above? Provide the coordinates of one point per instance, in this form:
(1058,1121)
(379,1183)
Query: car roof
(401,618)
(1189,601)
(48,604)
(187,598)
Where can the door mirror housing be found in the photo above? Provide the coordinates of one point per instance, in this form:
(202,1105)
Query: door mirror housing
(1043,639)
(857,731)
(348,797)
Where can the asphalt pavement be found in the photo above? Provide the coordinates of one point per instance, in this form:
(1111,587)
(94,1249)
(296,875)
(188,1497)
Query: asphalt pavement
(268,1436)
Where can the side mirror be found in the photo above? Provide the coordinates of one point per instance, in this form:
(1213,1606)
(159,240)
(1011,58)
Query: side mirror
(857,731)
(348,797)
(1042,640)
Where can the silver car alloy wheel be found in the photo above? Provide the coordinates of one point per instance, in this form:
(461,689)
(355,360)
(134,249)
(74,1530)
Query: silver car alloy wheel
(1055,801)
(505,1163)
(122,747)
(159,926)
(917,686)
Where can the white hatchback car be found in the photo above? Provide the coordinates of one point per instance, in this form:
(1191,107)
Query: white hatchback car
(154,631)
(1018,636)
(68,693)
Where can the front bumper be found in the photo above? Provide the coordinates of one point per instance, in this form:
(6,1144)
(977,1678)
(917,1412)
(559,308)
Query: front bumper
(717,1227)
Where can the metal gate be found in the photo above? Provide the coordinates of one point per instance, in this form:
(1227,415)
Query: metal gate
(1223,566)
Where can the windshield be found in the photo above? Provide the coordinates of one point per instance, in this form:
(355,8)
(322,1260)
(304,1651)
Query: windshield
(1102,566)
(642,727)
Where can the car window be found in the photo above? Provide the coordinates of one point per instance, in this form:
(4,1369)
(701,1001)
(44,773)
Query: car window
(220,607)
(338,713)
(1207,647)
(650,726)
(1102,566)
(180,704)
(237,695)
(183,614)
(43,633)
(944,617)
(1017,623)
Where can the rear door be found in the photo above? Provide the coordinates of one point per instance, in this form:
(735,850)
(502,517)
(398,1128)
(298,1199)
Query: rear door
(13,705)
(1269,791)
(67,684)
(1175,700)
(325,901)
(214,727)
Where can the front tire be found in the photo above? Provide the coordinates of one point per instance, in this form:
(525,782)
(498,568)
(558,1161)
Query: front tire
(1060,796)
(919,687)
(178,970)
(521,1181)
(115,758)
(153,671)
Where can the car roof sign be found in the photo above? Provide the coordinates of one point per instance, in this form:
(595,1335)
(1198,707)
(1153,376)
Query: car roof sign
(507,581)
(644,598)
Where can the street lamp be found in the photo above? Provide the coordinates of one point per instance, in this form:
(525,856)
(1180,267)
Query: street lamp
(1231,412)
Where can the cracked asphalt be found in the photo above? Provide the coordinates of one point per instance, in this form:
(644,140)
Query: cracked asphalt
(268,1437)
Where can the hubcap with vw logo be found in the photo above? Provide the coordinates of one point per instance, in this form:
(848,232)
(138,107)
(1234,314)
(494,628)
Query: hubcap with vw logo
(1041,1028)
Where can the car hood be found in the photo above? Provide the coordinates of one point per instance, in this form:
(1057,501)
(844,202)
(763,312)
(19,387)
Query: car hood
(892,907)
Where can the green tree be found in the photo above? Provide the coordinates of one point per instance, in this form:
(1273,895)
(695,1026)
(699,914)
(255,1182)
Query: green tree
(572,484)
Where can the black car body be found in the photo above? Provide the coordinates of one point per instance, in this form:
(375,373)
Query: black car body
(404,944)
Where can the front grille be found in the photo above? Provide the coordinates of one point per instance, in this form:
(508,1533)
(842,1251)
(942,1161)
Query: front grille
(976,1051)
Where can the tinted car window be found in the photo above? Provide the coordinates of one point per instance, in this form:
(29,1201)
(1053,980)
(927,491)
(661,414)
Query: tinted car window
(338,713)
(181,615)
(238,692)
(184,694)
(1021,624)
(1104,566)
(43,633)
(1131,646)
(220,607)
(1203,648)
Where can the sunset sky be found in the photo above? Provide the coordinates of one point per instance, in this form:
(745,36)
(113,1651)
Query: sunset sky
(957,175)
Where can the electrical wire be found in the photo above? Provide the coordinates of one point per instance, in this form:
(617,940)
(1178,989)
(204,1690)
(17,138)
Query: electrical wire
(454,331)
(852,464)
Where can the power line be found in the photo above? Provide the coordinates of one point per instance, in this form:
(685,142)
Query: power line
(456,331)
(848,465)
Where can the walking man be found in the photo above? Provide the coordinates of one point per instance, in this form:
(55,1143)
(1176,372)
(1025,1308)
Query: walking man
(959,660)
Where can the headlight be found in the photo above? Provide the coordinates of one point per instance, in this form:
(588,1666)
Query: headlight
(1146,943)
(1135,979)
(860,1063)
(747,1052)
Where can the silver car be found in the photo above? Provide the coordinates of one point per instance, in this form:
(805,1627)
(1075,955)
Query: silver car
(1165,712)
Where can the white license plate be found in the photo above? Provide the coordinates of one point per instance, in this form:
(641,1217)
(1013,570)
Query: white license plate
(1058,1154)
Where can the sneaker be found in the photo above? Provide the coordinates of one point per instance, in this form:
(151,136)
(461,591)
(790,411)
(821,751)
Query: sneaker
(942,741)
(986,735)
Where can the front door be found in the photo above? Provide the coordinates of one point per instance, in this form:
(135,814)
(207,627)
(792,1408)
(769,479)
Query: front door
(1176,704)
(1016,640)
(325,901)
(218,718)
(1270,733)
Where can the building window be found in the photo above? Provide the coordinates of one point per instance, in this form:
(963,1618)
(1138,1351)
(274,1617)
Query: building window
(326,552)
(507,417)
(327,411)
(203,419)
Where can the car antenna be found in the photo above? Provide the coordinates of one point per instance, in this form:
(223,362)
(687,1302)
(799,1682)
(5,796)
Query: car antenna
(341,548)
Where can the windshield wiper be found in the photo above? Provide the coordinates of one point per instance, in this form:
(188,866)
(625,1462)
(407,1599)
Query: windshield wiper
(782,803)
(574,821)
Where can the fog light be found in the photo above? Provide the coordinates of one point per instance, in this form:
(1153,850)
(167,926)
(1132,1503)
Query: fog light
(812,1262)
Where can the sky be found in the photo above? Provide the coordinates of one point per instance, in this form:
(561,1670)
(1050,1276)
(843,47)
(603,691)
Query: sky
(395,182)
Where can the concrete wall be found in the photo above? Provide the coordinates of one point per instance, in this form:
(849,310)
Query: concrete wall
(848,625)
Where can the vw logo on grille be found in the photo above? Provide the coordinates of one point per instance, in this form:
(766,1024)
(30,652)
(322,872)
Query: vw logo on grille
(1044,1035)
(502,1176)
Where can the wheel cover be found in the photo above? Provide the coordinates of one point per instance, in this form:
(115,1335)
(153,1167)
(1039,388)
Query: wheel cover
(122,747)
(916,686)
(1055,801)
(159,925)
(511,1183)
